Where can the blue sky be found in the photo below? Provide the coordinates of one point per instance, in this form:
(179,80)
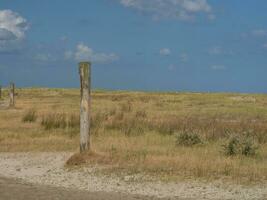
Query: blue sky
(170,45)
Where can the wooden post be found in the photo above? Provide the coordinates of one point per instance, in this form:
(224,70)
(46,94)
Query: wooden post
(0,92)
(85,108)
(12,95)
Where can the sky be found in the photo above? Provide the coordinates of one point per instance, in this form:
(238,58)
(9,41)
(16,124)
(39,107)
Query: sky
(150,45)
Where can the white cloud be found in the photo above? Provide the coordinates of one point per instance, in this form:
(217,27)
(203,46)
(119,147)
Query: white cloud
(195,5)
(179,9)
(165,52)
(218,50)
(6,35)
(13,22)
(218,67)
(12,30)
(84,52)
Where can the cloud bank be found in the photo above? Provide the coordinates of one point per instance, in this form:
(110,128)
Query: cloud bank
(85,53)
(178,9)
(12,30)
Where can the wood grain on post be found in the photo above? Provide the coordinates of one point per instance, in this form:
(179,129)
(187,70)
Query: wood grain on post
(12,95)
(85,80)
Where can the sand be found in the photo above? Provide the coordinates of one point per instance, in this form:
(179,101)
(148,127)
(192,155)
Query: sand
(46,170)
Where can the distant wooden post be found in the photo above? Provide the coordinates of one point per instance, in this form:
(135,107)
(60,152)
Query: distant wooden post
(85,107)
(12,95)
(0,92)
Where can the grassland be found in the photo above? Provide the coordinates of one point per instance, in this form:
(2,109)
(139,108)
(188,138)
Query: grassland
(169,135)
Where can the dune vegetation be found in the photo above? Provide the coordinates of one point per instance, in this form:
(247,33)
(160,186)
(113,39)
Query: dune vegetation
(167,135)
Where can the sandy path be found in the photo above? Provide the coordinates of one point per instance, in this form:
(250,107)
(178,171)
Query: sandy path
(48,169)
(11,189)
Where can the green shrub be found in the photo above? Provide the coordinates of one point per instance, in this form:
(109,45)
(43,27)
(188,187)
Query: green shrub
(232,146)
(240,145)
(29,116)
(249,147)
(186,138)
(260,135)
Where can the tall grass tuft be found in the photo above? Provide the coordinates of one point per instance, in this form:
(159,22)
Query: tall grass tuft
(54,121)
(128,125)
(240,145)
(60,121)
(187,138)
(30,116)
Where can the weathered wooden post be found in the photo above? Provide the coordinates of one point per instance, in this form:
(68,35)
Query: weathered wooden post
(12,95)
(85,107)
(0,92)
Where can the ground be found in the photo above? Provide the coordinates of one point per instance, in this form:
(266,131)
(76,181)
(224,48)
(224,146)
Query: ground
(48,169)
(175,145)
(16,190)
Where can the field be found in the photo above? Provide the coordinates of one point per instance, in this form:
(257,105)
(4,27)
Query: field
(170,136)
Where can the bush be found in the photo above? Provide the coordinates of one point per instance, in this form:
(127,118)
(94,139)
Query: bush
(232,146)
(29,116)
(188,139)
(249,148)
(240,145)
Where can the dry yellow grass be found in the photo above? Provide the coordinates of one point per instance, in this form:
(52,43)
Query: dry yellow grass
(135,131)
